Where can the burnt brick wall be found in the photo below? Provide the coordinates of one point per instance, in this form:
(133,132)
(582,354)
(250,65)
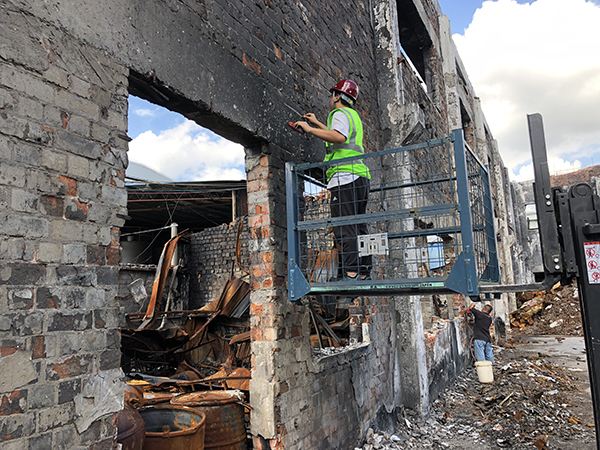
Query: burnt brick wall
(212,254)
(62,166)
(231,66)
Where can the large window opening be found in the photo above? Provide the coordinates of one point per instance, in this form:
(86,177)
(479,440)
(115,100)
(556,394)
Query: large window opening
(180,175)
(415,42)
(186,301)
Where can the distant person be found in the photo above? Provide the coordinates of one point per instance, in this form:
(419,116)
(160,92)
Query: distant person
(348,183)
(481,333)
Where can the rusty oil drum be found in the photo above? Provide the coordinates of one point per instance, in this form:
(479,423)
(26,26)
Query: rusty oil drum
(225,428)
(173,427)
(130,428)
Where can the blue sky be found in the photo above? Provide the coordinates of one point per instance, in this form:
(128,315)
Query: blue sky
(179,148)
(521,58)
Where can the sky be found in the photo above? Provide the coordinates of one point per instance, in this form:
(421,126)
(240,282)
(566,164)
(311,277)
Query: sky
(179,148)
(522,57)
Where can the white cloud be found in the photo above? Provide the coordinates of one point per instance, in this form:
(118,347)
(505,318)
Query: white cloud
(145,112)
(537,58)
(188,153)
(556,166)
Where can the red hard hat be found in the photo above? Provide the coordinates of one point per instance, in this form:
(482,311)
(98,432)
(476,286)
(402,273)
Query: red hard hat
(348,87)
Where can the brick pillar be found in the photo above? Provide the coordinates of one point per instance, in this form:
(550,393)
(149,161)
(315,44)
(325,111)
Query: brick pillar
(278,326)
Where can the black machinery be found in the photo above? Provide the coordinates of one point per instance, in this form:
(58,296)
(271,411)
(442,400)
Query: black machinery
(569,226)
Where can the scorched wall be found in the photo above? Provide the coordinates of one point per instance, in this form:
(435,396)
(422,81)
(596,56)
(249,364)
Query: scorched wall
(66,70)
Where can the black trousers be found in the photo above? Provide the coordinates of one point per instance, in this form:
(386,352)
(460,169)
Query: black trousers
(348,200)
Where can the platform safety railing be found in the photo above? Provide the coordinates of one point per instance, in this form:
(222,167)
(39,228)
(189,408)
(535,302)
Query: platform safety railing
(428,226)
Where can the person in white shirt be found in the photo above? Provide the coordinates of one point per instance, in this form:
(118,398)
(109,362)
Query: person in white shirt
(348,182)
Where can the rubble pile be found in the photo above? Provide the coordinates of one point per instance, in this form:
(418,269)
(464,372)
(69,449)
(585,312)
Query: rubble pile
(556,311)
(527,406)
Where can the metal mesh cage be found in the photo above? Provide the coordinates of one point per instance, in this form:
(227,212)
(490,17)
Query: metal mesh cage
(399,226)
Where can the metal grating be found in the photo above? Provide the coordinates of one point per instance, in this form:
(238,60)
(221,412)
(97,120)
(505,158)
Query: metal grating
(413,235)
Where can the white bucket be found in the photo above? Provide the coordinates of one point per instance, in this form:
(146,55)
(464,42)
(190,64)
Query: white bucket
(484,371)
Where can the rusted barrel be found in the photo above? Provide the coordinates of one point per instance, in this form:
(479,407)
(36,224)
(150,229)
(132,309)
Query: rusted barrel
(173,427)
(225,429)
(130,428)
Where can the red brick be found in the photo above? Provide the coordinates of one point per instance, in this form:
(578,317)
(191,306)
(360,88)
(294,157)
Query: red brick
(37,347)
(5,351)
(70,185)
(65,119)
(70,367)
(250,63)
(256,334)
(113,256)
(11,403)
(253,186)
(52,205)
(96,255)
(257,221)
(115,237)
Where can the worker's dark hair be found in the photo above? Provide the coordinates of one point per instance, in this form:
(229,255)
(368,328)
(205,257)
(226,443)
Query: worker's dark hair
(488,308)
(346,101)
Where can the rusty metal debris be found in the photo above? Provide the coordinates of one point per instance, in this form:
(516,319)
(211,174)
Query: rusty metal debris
(203,350)
(162,271)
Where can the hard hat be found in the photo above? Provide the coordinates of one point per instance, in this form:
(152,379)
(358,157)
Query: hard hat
(348,87)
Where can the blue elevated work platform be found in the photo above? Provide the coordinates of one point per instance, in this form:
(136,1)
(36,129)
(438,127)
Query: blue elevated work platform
(428,227)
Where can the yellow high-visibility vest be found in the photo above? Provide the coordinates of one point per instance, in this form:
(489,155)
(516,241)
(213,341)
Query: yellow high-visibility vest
(352,147)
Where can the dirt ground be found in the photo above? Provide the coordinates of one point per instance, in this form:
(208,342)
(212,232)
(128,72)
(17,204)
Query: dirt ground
(540,397)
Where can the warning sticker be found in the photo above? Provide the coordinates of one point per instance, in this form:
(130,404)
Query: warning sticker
(592,261)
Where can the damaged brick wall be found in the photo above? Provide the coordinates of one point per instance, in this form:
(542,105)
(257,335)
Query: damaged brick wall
(212,257)
(62,166)
(231,67)
(235,65)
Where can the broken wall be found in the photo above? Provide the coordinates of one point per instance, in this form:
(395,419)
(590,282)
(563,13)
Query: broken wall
(213,259)
(62,165)
(232,67)
(65,77)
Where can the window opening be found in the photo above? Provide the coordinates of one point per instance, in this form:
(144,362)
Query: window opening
(185,176)
(179,173)
(414,41)
(531,216)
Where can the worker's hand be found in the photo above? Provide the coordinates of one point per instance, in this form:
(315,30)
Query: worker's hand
(473,305)
(304,126)
(311,118)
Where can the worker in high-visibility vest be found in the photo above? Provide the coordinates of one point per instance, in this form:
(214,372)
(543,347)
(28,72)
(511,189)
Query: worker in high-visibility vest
(348,182)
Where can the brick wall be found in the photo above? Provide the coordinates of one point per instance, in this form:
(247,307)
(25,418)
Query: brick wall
(62,162)
(212,255)
(232,67)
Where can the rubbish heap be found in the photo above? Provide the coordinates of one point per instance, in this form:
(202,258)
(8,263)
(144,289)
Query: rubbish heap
(529,405)
(556,311)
